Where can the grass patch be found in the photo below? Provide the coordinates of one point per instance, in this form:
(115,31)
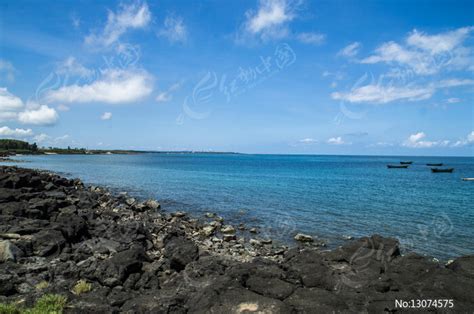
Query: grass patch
(9,308)
(81,286)
(47,304)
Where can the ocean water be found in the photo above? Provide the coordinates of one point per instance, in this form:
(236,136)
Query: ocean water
(326,196)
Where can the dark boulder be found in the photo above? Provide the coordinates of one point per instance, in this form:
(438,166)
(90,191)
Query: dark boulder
(48,242)
(180,251)
(116,270)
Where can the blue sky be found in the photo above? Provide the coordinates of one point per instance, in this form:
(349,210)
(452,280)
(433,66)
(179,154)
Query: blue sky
(322,77)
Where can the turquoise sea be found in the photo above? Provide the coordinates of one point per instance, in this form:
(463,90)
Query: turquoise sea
(326,196)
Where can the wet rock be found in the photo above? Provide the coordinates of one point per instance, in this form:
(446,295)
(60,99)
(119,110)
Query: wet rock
(229,237)
(130,201)
(301,237)
(210,215)
(255,242)
(208,230)
(179,214)
(228,229)
(152,204)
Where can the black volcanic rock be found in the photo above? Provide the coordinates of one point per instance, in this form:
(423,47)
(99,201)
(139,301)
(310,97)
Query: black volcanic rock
(139,259)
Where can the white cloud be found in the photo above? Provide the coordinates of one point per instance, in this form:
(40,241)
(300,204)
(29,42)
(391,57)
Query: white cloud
(311,38)
(163,97)
(427,54)
(417,140)
(174,29)
(71,66)
(8,101)
(382,94)
(308,141)
(114,87)
(378,94)
(336,141)
(167,95)
(133,16)
(350,50)
(453,100)
(106,116)
(269,21)
(40,138)
(13,108)
(61,138)
(439,43)
(454,83)
(468,140)
(43,115)
(7,69)
(5,131)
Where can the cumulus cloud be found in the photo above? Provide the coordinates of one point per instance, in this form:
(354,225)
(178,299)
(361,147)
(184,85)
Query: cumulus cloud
(115,86)
(269,21)
(418,140)
(13,108)
(106,116)
(468,140)
(8,101)
(132,16)
(350,50)
(311,38)
(40,138)
(427,54)
(336,141)
(174,29)
(5,131)
(43,115)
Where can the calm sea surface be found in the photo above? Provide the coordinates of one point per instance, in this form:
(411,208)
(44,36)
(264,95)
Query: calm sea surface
(326,196)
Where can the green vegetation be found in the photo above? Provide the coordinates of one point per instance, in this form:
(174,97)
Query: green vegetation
(9,308)
(47,304)
(81,286)
(16,146)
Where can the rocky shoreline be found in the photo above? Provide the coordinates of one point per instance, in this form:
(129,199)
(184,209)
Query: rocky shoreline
(111,254)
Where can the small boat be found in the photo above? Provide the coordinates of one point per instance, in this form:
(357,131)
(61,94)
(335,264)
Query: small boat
(397,166)
(442,170)
(406,162)
(468,179)
(435,165)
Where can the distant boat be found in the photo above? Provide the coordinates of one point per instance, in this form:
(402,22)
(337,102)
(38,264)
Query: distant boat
(435,165)
(398,166)
(406,162)
(468,179)
(442,170)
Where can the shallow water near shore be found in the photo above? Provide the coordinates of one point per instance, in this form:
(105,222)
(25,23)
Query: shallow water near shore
(326,196)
